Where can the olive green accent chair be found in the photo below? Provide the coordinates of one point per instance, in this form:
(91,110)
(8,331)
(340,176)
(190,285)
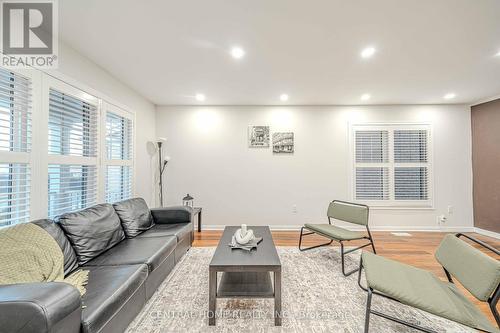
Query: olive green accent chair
(342,211)
(475,270)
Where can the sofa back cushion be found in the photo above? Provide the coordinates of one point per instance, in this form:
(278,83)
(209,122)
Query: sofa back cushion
(134,215)
(53,229)
(92,231)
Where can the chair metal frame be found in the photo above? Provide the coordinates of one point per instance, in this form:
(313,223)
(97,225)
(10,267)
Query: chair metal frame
(492,301)
(342,251)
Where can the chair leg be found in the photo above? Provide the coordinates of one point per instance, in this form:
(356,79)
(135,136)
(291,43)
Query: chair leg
(312,247)
(373,246)
(368,310)
(371,239)
(359,275)
(493,301)
(342,255)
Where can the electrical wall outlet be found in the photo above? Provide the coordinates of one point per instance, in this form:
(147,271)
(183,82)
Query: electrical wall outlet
(450,209)
(294,209)
(441,219)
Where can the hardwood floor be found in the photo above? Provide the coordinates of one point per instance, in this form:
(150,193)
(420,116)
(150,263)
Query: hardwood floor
(417,250)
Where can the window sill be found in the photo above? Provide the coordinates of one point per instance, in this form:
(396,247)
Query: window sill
(375,207)
(391,205)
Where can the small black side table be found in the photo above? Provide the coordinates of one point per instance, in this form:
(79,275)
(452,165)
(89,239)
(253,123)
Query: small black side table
(197,211)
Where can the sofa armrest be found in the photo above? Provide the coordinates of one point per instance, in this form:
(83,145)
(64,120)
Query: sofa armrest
(40,307)
(170,215)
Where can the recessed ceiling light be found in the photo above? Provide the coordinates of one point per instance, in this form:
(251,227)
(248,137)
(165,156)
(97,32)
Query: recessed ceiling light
(368,52)
(200,97)
(365,97)
(449,96)
(237,52)
(283,97)
(498,54)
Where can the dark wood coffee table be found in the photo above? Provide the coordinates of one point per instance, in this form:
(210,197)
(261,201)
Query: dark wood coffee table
(245,274)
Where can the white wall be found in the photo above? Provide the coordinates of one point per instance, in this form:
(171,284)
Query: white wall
(235,184)
(86,75)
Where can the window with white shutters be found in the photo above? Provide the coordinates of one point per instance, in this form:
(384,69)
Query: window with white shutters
(72,148)
(72,126)
(118,183)
(392,165)
(61,149)
(118,160)
(411,175)
(118,137)
(15,146)
(71,187)
(372,172)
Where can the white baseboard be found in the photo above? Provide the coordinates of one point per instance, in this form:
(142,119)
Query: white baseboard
(487,233)
(281,227)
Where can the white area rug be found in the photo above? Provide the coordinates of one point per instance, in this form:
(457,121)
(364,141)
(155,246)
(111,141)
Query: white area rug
(316,298)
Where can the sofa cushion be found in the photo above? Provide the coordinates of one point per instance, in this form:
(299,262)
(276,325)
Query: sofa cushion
(70,261)
(92,231)
(108,289)
(180,230)
(150,251)
(134,215)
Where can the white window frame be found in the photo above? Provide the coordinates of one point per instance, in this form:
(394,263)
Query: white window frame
(111,108)
(390,127)
(38,158)
(29,158)
(49,83)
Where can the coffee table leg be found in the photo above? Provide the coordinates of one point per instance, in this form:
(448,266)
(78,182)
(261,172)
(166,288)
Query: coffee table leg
(212,297)
(277,298)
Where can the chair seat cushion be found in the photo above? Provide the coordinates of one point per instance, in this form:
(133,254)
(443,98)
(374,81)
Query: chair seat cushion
(109,287)
(335,232)
(150,251)
(180,230)
(423,290)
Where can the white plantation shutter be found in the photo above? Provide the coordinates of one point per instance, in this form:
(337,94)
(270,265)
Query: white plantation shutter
(15,112)
(72,148)
(71,187)
(118,137)
(411,183)
(372,146)
(372,183)
(410,146)
(118,183)
(372,172)
(391,164)
(16,102)
(14,193)
(411,175)
(72,126)
(119,153)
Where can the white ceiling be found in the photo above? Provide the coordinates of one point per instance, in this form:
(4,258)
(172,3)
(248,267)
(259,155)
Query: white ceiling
(170,50)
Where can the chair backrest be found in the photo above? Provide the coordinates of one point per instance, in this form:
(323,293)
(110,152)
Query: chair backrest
(476,271)
(348,212)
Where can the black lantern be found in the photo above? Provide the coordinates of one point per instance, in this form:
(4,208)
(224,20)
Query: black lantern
(188,201)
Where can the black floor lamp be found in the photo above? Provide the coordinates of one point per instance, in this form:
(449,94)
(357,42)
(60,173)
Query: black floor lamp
(162,163)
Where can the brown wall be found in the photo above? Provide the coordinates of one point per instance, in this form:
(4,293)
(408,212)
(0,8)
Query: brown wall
(486,165)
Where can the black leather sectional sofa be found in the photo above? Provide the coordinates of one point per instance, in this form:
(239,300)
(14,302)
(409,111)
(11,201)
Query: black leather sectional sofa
(128,250)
